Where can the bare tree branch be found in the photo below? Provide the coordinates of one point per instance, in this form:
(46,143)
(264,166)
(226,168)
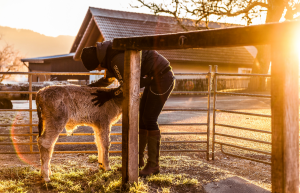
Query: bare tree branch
(159,9)
(27,66)
(292,10)
(9,61)
(203,10)
(244,10)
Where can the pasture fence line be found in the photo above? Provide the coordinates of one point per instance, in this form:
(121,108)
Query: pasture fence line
(212,87)
(31,134)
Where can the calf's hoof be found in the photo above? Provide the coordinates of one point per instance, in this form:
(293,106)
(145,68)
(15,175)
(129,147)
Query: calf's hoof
(101,166)
(45,176)
(46,179)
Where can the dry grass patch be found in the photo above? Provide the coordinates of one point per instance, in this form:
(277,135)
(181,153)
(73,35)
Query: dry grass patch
(83,175)
(18,179)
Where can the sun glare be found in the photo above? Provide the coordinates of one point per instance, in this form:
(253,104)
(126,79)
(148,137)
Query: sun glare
(16,139)
(299,56)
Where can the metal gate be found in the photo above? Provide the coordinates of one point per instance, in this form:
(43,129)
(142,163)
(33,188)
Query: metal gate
(207,123)
(32,135)
(233,128)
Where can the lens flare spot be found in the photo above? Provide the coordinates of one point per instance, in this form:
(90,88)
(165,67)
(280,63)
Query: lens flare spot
(189,85)
(28,159)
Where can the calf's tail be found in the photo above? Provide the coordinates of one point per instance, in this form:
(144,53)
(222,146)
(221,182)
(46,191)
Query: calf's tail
(39,112)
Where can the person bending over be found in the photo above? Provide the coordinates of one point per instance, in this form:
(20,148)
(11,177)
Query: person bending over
(157,78)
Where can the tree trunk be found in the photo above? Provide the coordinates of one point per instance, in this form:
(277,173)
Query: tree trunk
(260,65)
(262,60)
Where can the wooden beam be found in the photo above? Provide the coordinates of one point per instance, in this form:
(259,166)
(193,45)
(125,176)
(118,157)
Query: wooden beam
(237,36)
(285,117)
(130,121)
(94,35)
(84,39)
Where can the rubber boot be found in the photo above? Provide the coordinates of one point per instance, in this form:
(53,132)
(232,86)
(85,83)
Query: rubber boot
(143,134)
(152,166)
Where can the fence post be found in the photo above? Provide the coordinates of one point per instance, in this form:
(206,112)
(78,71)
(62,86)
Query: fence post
(30,111)
(208,112)
(130,122)
(285,118)
(215,89)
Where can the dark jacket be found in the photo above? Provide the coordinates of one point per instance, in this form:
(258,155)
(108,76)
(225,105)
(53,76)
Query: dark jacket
(151,63)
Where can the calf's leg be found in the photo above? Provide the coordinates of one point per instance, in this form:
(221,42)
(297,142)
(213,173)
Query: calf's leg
(102,139)
(46,144)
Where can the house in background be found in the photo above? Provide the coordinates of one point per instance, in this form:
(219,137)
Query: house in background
(103,24)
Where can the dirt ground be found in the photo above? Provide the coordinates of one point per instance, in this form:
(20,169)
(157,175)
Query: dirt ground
(193,164)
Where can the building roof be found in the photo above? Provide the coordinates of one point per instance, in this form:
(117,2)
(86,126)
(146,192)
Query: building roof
(43,59)
(103,24)
(114,24)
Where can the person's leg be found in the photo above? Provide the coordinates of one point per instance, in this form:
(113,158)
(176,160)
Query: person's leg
(152,166)
(157,96)
(142,107)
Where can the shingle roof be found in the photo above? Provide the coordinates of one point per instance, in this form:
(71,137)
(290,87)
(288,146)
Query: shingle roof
(114,27)
(149,17)
(114,24)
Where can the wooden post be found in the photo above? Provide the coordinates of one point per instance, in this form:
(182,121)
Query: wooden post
(285,118)
(130,122)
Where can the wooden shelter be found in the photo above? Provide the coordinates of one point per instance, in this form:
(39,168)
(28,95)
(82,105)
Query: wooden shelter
(57,63)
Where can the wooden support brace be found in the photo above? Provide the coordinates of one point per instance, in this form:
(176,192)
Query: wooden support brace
(285,118)
(130,121)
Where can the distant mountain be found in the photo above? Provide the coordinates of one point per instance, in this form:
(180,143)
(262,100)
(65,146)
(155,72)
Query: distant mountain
(32,44)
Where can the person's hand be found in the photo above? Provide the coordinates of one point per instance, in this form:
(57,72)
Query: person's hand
(101,97)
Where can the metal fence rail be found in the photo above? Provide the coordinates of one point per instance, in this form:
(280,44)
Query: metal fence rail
(30,110)
(31,134)
(216,74)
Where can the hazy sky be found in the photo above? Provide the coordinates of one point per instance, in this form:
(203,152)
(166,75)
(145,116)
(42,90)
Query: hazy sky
(60,17)
(54,17)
